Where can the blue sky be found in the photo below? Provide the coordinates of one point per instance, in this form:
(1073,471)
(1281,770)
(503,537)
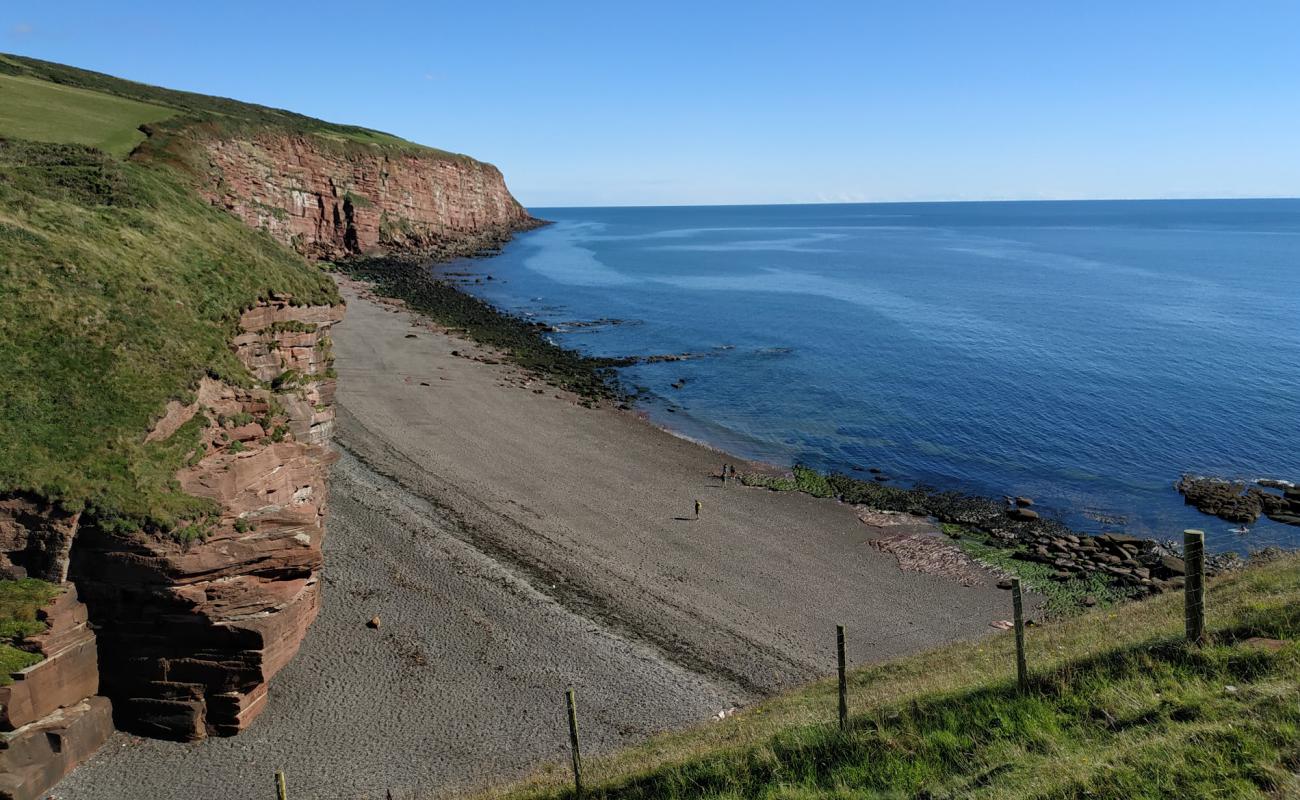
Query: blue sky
(614,103)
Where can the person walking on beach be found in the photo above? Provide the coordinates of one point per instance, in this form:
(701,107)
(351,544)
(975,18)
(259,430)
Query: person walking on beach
(698,504)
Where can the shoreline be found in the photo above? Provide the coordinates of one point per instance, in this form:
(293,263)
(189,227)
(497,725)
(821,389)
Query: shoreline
(1028,538)
(514,541)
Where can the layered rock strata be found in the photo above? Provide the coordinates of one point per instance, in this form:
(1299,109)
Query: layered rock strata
(330,200)
(36,756)
(50,716)
(193,626)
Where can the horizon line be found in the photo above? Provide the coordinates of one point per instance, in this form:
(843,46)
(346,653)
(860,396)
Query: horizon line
(932,202)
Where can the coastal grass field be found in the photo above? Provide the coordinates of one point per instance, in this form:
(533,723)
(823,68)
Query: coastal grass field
(1119,706)
(49,112)
(119,290)
(49,102)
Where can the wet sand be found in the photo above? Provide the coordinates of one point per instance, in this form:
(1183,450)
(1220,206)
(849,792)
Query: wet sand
(514,542)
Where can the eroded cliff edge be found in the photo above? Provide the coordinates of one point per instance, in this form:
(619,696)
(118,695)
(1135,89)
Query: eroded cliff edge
(330,200)
(192,625)
(168,399)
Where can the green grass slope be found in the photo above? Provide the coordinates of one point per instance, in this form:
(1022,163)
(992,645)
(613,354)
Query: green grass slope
(50,112)
(1119,707)
(183,109)
(119,289)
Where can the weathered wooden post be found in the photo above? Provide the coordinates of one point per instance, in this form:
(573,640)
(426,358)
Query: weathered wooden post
(281,793)
(1194,585)
(844,684)
(1018,607)
(573,742)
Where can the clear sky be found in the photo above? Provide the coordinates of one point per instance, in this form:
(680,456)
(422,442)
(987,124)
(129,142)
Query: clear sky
(661,102)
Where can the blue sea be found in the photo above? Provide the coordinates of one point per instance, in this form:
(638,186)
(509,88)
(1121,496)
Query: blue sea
(1083,353)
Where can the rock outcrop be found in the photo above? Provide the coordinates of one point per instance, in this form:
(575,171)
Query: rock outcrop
(1234,501)
(51,718)
(330,200)
(177,633)
(35,537)
(36,756)
(1141,565)
(68,674)
(193,626)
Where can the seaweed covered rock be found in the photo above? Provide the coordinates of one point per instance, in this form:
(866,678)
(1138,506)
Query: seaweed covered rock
(1235,501)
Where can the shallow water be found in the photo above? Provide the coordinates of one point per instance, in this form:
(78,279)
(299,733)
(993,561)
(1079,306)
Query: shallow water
(1083,353)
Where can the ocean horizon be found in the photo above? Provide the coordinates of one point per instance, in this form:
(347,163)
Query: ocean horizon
(1086,353)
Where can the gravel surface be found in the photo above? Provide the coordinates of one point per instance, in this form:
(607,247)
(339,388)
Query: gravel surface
(513,542)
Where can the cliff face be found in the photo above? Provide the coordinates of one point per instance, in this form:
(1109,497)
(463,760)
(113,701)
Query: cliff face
(190,628)
(177,634)
(51,717)
(192,631)
(329,201)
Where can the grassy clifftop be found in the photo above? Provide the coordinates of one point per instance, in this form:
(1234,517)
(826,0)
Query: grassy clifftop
(119,289)
(52,102)
(1119,707)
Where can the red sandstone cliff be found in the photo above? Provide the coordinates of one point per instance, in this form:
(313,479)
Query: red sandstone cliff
(190,630)
(330,200)
(51,718)
(184,633)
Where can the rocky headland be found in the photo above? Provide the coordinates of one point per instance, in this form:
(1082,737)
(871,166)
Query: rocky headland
(332,201)
(183,544)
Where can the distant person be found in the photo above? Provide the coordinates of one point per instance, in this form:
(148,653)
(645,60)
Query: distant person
(698,505)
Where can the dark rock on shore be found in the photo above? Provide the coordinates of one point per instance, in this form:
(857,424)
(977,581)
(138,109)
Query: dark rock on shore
(525,342)
(1235,502)
(1140,566)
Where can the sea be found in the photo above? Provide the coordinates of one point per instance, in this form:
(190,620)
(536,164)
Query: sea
(1085,354)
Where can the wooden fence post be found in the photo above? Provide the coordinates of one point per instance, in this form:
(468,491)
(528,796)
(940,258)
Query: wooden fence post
(281,793)
(844,684)
(573,742)
(1018,606)
(1194,585)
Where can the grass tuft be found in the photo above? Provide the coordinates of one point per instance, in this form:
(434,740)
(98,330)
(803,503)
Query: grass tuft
(20,601)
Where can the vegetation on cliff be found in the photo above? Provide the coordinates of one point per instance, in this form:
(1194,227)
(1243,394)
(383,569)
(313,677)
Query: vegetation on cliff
(119,289)
(1119,706)
(19,603)
(103,101)
(122,277)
